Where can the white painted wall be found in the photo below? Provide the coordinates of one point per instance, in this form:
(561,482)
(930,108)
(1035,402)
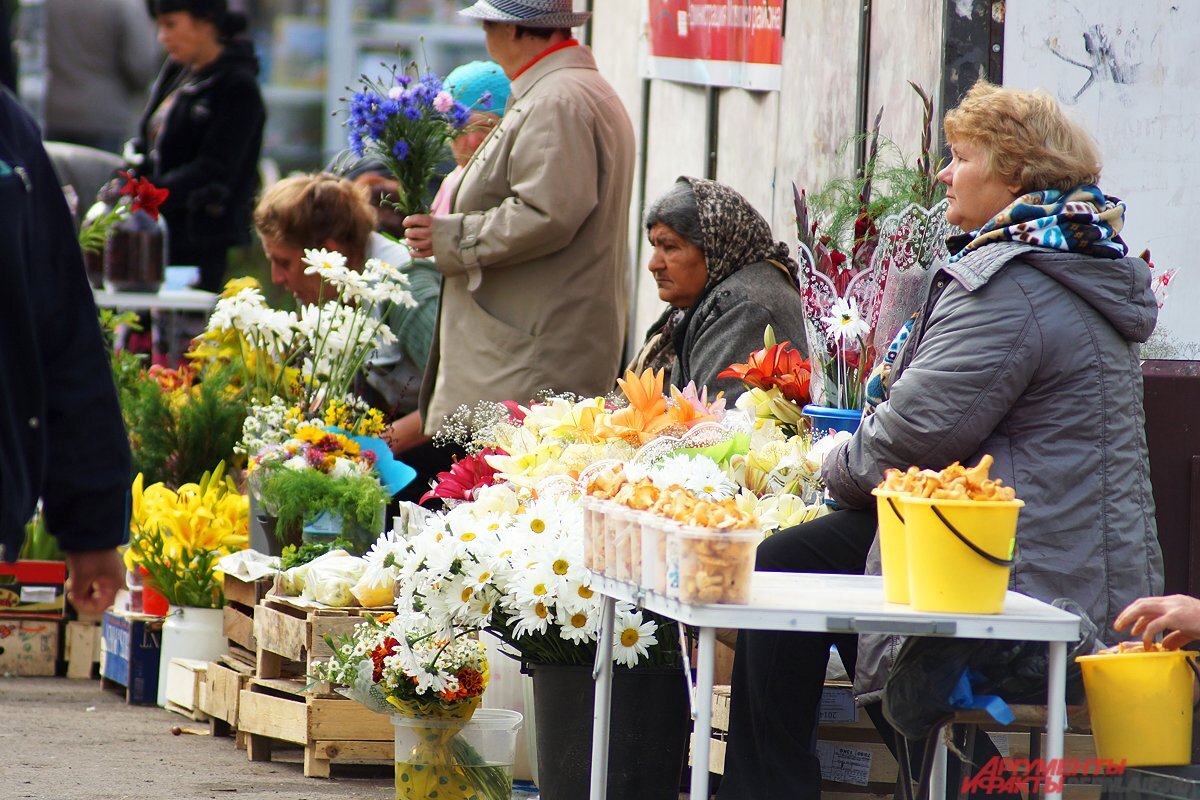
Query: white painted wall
(768,140)
(1147,123)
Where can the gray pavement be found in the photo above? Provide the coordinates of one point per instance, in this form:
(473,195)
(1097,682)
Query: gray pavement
(70,740)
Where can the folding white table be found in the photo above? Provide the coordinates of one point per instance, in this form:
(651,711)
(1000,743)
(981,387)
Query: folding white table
(169,301)
(785,601)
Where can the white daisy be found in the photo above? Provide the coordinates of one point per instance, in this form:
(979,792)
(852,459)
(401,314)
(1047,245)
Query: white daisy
(845,324)
(632,638)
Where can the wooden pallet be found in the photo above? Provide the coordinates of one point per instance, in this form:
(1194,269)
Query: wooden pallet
(332,730)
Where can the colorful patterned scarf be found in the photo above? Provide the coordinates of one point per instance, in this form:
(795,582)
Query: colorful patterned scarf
(1084,221)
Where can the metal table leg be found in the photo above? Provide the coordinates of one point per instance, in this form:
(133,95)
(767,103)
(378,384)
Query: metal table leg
(937,775)
(1056,719)
(602,673)
(702,730)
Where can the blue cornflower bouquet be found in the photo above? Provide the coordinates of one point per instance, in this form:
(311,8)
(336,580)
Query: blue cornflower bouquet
(407,122)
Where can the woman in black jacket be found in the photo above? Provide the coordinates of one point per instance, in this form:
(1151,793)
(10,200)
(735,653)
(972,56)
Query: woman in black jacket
(202,131)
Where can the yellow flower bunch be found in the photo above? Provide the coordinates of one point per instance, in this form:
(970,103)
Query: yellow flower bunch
(339,414)
(209,516)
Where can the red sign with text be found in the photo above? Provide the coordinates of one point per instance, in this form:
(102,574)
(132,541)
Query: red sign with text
(717,42)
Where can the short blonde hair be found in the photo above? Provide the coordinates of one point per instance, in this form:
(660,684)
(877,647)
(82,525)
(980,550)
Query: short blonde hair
(1027,137)
(308,210)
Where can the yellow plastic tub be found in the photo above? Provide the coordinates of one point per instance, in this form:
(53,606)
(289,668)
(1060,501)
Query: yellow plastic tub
(893,547)
(1141,706)
(960,553)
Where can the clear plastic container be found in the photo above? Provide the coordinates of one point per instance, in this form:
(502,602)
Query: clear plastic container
(715,566)
(654,553)
(597,534)
(633,567)
(671,571)
(590,521)
(621,521)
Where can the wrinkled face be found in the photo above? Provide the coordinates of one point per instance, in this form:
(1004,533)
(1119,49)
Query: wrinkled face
(287,271)
(678,266)
(975,194)
(468,140)
(184,37)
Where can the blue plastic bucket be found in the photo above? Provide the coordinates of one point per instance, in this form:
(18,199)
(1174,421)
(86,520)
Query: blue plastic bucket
(825,418)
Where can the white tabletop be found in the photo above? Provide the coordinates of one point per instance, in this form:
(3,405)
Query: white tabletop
(164,299)
(851,604)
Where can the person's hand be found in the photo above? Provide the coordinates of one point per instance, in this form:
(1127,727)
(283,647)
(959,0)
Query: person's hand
(93,578)
(418,234)
(1151,616)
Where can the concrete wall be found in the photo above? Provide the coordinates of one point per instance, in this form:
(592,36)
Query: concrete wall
(767,140)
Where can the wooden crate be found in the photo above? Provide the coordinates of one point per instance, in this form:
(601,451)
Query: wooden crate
(242,597)
(185,688)
(331,729)
(290,636)
(29,647)
(81,645)
(224,680)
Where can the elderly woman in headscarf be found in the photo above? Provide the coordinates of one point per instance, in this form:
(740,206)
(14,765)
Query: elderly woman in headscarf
(726,279)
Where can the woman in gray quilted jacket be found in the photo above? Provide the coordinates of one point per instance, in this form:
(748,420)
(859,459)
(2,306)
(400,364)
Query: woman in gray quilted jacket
(1026,348)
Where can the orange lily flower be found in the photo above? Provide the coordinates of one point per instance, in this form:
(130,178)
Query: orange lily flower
(777,366)
(646,415)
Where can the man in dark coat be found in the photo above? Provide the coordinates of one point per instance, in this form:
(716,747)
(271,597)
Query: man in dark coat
(61,435)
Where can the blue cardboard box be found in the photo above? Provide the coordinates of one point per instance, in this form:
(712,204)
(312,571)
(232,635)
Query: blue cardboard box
(130,645)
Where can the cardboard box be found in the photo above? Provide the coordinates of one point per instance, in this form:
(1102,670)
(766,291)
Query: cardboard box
(28,647)
(33,589)
(129,647)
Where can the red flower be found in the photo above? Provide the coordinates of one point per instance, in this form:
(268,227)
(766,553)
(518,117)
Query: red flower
(146,196)
(773,367)
(515,413)
(465,476)
(379,654)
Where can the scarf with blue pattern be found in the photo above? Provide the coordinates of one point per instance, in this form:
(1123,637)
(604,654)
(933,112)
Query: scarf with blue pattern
(1083,220)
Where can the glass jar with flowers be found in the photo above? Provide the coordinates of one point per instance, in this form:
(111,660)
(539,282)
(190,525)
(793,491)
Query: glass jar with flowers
(432,682)
(135,252)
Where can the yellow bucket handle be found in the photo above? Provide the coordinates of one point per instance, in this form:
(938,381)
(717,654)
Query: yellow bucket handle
(979,551)
(896,511)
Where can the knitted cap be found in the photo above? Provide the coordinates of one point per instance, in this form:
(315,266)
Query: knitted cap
(469,83)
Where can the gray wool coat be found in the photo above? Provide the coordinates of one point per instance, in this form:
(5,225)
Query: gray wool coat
(1030,355)
(728,322)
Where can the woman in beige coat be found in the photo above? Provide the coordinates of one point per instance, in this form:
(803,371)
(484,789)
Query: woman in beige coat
(534,254)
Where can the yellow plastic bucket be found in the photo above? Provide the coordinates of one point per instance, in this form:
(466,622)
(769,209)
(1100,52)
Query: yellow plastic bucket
(893,548)
(1141,706)
(960,553)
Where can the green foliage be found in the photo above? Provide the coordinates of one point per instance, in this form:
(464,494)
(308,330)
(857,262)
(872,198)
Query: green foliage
(176,435)
(293,556)
(93,234)
(39,544)
(184,579)
(299,494)
(887,183)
